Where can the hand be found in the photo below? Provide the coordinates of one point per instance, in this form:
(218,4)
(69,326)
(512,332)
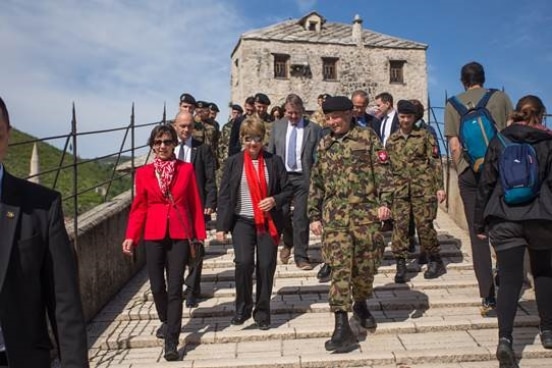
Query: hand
(208,211)
(316,228)
(267,204)
(384,213)
(441,195)
(128,248)
(481,236)
(220,236)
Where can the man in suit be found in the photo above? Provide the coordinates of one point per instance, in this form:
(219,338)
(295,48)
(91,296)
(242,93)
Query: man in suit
(389,118)
(295,139)
(234,144)
(201,157)
(360,103)
(38,274)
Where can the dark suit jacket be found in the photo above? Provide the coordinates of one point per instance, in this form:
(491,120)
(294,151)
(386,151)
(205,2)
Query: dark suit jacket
(38,277)
(204,167)
(394,126)
(311,138)
(371,122)
(278,187)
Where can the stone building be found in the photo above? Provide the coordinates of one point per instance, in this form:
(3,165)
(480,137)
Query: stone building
(311,56)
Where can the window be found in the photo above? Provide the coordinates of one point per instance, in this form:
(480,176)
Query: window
(329,69)
(281,66)
(396,74)
(312,25)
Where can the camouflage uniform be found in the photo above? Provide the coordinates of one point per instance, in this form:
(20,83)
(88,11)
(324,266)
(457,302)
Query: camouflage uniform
(206,132)
(417,176)
(349,182)
(319,118)
(222,148)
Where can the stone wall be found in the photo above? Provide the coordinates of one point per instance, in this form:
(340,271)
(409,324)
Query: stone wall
(103,269)
(358,67)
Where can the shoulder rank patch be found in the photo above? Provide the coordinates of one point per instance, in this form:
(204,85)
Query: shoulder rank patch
(383,157)
(435,152)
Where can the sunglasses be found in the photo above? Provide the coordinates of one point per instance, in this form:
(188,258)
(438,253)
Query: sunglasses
(166,142)
(255,139)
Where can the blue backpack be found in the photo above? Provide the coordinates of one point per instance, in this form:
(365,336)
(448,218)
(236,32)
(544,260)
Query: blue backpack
(519,172)
(476,130)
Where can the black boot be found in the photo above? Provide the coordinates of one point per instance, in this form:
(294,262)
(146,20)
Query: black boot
(343,340)
(171,344)
(361,312)
(422,258)
(435,267)
(400,277)
(325,272)
(505,354)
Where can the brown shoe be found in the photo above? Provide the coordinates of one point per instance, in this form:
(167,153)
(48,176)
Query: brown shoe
(304,265)
(285,255)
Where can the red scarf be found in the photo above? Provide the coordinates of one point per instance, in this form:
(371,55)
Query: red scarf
(164,170)
(258,191)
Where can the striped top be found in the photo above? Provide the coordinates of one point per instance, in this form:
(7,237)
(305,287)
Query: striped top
(244,206)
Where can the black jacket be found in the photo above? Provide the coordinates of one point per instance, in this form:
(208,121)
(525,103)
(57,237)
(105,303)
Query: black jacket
(204,167)
(490,205)
(278,187)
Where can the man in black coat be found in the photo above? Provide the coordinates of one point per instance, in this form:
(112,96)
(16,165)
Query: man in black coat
(38,274)
(201,156)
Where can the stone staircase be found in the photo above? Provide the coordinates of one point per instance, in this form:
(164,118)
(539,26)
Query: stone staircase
(423,323)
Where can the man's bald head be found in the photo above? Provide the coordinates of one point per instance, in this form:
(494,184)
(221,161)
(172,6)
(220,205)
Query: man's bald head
(184,124)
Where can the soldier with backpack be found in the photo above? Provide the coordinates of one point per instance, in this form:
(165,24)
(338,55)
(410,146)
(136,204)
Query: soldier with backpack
(469,126)
(515,203)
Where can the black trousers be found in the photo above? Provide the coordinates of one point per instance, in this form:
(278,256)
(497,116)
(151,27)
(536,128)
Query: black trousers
(296,230)
(511,281)
(481,250)
(170,257)
(247,245)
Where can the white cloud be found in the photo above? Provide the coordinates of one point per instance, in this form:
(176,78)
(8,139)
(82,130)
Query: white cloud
(106,54)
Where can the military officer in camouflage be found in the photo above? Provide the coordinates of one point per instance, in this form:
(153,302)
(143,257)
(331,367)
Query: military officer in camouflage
(418,185)
(204,129)
(350,194)
(261,108)
(224,141)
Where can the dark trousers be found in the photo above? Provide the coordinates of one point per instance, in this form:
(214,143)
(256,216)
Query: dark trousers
(511,281)
(170,256)
(247,245)
(193,280)
(296,229)
(481,250)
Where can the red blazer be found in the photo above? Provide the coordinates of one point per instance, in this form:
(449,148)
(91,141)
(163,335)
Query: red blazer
(152,212)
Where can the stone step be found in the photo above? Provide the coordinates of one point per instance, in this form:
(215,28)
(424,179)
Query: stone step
(403,349)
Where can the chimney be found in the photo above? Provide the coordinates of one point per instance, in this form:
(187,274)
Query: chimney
(35,166)
(357,30)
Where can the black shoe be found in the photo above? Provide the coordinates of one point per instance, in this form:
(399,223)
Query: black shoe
(400,276)
(263,325)
(324,273)
(488,306)
(435,267)
(191,301)
(343,339)
(161,331)
(362,313)
(505,353)
(239,319)
(546,339)
(171,354)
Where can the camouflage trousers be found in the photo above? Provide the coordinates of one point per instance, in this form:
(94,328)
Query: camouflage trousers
(354,253)
(424,211)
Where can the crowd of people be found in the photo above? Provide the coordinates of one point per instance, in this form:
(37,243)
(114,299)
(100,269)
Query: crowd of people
(343,173)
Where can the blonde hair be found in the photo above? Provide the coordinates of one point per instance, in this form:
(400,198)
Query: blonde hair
(252,126)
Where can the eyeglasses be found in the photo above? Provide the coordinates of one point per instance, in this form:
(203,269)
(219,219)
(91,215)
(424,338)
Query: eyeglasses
(166,142)
(255,139)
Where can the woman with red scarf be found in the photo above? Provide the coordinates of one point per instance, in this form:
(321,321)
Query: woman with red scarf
(253,189)
(167,213)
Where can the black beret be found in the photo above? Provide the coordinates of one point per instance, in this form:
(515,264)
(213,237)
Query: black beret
(237,108)
(202,104)
(187,98)
(406,107)
(262,99)
(336,103)
(213,107)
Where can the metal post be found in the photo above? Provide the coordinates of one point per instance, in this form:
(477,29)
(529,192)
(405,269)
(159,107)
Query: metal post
(75,186)
(132,155)
(165,112)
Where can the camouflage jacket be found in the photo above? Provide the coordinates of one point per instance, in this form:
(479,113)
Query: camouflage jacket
(224,141)
(318,117)
(415,164)
(350,179)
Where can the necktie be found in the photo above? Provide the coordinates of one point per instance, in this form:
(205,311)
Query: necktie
(181,152)
(383,126)
(292,145)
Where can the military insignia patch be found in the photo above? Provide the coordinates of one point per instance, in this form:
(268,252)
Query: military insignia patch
(435,152)
(383,157)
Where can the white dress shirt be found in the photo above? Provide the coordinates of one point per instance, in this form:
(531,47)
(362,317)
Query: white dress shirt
(387,132)
(298,146)
(187,150)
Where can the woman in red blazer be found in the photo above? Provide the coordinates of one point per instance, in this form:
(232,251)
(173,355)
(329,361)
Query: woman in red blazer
(167,213)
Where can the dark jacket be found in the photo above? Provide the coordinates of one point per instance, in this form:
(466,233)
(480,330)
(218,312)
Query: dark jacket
(370,121)
(38,278)
(278,187)
(204,167)
(490,205)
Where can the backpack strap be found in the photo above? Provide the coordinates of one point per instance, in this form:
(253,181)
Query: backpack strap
(485,99)
(503,140)
(458,106)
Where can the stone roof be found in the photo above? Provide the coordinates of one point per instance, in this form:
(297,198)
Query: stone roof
(331,33)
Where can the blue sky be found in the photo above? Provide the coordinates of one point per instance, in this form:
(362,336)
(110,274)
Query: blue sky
(106,54)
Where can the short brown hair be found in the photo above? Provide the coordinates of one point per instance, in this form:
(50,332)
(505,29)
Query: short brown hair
(159,130)
(4,116)
(252,126)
